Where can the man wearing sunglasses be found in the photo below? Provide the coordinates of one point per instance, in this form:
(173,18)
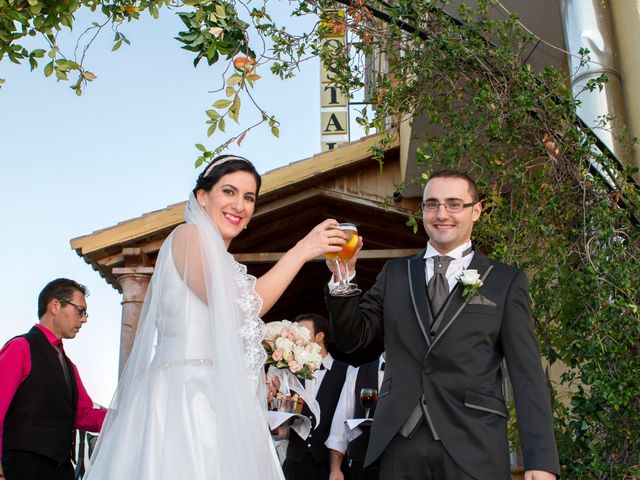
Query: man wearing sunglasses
(448,318)
(42,399)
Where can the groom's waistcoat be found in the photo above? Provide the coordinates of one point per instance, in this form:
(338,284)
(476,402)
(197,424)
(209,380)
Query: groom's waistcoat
(327,397)
(42,414)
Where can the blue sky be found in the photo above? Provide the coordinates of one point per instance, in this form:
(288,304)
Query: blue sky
(72,165)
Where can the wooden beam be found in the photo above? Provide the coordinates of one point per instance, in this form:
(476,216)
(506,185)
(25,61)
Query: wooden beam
(118,258)
(135,257)
(288,200)
(346,197)
(272,257)
(130,230)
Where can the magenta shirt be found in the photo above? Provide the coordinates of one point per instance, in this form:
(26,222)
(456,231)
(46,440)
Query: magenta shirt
(15,366)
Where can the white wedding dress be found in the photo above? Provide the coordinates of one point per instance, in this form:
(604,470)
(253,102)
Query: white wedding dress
(190,403)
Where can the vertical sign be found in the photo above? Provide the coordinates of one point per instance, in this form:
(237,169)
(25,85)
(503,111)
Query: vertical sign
(334,105)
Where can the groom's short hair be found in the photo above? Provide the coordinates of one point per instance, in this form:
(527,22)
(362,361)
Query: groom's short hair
(320,324)
(473,187)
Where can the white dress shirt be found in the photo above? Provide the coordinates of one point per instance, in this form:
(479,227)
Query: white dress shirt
(338,437)
(312,386)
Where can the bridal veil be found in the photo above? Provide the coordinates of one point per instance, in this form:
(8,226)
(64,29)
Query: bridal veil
(191,400)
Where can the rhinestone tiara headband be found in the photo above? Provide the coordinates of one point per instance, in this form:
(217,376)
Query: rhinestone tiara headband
(223,161)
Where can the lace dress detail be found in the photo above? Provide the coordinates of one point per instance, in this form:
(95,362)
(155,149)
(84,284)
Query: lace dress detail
(252,330)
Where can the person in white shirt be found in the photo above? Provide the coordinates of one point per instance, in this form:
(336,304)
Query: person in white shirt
(353,443)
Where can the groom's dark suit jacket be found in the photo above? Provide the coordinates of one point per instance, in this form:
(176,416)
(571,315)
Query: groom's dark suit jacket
(453,364)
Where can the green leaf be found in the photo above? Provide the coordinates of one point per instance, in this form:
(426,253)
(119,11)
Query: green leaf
(212,114)
(48,69)
(220,12)
(212,129)
(66,20)
(223,103)
(116,46)
(201,147)
(275,131)
(234,80)
(211,51)
(61,75)
(230,91)
(38,53)
(221,124)
(66,65)
(233,115)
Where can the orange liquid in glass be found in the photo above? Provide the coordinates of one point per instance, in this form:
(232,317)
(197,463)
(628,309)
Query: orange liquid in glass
(331,255)
(350,247)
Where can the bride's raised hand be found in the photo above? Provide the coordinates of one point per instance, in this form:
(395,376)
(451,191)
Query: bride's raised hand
(321,239)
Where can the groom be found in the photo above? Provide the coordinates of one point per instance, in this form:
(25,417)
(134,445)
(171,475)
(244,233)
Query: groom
(441,412)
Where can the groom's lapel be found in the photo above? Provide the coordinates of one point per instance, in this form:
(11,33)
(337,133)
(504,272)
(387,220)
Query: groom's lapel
(418,292)
(456,303)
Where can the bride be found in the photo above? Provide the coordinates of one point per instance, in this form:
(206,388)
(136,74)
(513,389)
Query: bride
(190,402)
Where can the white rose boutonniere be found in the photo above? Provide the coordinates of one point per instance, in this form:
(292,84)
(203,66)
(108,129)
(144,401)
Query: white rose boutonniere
(471,283)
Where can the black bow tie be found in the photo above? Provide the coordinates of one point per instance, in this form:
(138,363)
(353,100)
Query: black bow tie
(322,367)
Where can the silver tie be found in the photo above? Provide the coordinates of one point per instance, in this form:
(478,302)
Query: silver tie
(438,287)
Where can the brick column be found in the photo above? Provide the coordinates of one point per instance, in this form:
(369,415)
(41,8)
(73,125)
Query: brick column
(134,282)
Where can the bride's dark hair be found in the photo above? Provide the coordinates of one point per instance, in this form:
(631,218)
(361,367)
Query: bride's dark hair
(222,165)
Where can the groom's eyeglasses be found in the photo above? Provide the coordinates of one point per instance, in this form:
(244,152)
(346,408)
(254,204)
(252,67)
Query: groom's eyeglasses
(81,310)
(452,205)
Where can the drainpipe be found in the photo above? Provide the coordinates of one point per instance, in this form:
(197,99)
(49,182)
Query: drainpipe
(587,24)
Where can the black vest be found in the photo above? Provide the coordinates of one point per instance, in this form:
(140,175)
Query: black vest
(367,378)
(42,413)
(327,397)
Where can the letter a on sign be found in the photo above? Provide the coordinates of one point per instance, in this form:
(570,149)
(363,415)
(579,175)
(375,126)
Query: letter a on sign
(334,123)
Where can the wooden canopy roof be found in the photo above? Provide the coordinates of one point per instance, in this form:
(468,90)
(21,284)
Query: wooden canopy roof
(345,184)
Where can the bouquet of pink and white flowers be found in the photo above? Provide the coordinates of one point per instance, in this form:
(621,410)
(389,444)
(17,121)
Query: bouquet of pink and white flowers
(289,346)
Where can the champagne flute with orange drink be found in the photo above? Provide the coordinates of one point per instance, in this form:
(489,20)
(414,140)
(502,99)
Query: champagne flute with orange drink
(344,288)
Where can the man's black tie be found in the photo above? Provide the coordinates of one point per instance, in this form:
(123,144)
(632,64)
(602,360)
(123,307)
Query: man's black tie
(438,287)
(63,363)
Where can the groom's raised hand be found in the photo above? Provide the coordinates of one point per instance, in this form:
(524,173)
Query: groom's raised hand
(331,265)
